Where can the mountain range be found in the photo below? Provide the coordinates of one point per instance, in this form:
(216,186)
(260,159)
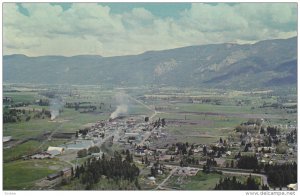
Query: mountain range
(265,64)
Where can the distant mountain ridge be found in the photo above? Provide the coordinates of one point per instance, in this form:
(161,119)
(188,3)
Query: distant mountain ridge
(263,64)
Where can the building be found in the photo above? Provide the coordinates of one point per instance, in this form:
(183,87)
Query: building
(55,150)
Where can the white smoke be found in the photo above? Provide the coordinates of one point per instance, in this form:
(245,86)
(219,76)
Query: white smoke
(122,108)
(55,105)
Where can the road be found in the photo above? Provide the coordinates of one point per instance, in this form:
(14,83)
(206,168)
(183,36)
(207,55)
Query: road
(166,179)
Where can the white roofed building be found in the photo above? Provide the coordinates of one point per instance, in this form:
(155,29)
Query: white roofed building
(55,150)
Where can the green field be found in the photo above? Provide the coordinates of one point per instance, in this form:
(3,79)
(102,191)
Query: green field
(19,175)
(20,150)
(22,96)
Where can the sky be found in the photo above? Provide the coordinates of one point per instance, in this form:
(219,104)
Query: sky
(115,29)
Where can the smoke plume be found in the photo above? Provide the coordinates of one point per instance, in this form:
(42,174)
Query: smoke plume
(56,105)
(122,108)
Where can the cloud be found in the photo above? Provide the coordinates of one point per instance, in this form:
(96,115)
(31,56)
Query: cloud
(90,28)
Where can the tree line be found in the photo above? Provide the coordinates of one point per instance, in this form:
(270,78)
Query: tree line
(234,184)
(16,115)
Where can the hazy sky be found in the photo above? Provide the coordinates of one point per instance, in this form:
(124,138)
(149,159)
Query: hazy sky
(111,29)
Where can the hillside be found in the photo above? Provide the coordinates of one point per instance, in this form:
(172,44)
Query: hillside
(264,64)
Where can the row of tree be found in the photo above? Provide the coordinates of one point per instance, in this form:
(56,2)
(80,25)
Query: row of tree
(234,184)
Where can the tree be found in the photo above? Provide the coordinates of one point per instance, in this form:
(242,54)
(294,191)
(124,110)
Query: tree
(82,153)
(72,172)
(153,171)
(93,149)
(232,164)
(204,150)
(221,140)
(146,160)
(163,122)
(247,162)
(128,157)
(251,184)
(262,130)
(77,172)
(234,184)
(28,118)
(137,185)
(265,187)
